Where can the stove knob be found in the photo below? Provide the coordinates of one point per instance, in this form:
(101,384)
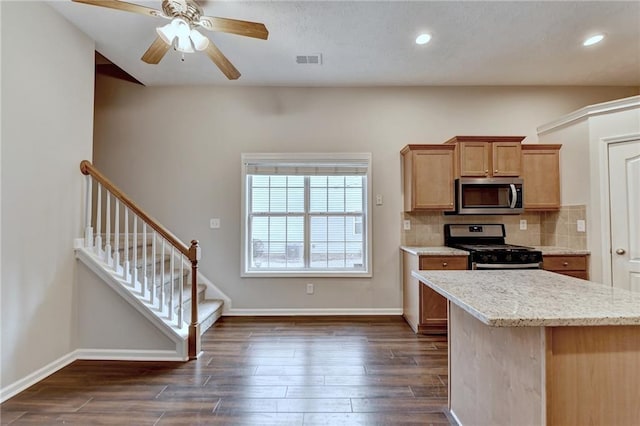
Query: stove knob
(508,258)
(484,258)
(524,257)
(494,258)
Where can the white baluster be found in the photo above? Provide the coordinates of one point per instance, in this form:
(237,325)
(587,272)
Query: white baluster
(134,267)
(171,287)
(161,301)
(98,239)
(88,230)
(126,265)
(153,267)
(181,295)
(116,237)
(107,245)
(144,259)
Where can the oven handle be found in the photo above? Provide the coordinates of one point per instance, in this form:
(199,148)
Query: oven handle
(514,196)
(535,265)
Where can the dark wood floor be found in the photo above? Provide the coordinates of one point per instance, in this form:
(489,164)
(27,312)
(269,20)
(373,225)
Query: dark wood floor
(259,371)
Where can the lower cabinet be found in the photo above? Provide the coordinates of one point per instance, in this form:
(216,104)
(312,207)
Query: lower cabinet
(572,265)
(424,309)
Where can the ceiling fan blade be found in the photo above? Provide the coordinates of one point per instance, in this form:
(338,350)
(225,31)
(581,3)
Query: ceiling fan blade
(222,62)
(234,26)
(127,7)
(156,51)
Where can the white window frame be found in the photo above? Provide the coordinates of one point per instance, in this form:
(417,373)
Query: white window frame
(249,158)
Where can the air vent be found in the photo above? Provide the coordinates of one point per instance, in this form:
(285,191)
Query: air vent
(309,59)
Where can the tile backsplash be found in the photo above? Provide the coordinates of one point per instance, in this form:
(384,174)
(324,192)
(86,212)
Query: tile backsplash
(543,228)
(561,228)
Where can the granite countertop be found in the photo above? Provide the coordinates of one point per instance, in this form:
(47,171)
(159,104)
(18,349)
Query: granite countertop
(534,298)
(434,251)
(561,251)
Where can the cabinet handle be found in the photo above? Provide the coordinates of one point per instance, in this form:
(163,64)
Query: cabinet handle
(496,171)
(486,172)
(565,263)
(444,264)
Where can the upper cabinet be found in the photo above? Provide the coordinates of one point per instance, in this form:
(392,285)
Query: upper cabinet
(428,175)
(487,156)
(541,175)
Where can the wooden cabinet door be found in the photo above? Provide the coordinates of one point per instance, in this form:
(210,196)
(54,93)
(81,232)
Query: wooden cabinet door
(428,177)
(433,307)
(506,159)
(474,159)
(541,175)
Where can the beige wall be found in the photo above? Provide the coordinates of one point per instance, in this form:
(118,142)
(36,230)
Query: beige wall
(584,175)
(47,121)
(177,151)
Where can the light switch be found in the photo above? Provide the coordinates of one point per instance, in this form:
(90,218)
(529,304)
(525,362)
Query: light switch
(378,200)
(581,225)
(523,224)
(214,223)
(406,225)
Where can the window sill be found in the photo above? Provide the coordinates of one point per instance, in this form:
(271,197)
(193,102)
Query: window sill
(305,274)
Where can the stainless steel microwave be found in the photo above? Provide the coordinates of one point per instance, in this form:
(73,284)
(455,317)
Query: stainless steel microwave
(489,196)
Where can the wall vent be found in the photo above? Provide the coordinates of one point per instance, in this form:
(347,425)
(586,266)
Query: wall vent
(315,59)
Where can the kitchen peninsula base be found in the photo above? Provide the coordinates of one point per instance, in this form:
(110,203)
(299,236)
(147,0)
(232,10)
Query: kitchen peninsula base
(533,347)
(537,375)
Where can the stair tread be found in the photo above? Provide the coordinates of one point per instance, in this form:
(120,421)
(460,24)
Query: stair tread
(186,292)
(208,306)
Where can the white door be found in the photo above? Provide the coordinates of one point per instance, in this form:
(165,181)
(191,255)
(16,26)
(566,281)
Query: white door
(624,190)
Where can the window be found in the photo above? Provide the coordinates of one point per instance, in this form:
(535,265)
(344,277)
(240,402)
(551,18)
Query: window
(306,214)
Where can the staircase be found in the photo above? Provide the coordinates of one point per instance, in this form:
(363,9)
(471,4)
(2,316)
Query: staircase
(148,266)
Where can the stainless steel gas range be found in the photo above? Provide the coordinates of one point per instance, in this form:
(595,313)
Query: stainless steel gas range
(487,248)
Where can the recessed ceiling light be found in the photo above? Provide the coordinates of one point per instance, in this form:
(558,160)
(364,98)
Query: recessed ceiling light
(423,38)
(593,40)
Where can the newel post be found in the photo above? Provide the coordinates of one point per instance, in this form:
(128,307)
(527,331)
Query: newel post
(194,327)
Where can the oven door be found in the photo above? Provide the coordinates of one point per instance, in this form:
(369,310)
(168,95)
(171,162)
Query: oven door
(489,196)
(486,266)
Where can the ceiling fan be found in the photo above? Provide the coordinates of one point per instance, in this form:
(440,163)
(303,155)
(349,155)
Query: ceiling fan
(182,32)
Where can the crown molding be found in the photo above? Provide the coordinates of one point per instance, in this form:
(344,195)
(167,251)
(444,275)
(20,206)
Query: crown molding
(590,111)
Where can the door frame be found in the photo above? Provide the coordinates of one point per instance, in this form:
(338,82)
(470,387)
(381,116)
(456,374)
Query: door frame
(605,202)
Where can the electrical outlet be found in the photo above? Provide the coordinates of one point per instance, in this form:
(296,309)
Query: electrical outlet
(581,225)
(406,225)
(309,288)
(378,200)
(523,224)
(214,223)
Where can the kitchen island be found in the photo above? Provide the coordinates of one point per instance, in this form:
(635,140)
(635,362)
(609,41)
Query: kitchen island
(531,347)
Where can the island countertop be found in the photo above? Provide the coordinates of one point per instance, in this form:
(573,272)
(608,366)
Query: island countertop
(530,298)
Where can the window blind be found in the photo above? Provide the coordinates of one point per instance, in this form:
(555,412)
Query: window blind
(306,168)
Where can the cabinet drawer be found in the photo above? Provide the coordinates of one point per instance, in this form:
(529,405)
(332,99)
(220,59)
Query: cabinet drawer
(443,262)
(565,263)
(576,274)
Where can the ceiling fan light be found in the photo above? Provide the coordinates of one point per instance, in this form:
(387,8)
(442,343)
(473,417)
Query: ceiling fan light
(167,33)
(183,29)
(200,42)
(184,45)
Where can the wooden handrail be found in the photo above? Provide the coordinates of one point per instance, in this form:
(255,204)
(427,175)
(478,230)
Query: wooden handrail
(89,169)
(191,252)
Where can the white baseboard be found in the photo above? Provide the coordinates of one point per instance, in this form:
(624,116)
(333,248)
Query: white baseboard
(312,311)
(88,354)
(129,355)
(455,418)
(38,375)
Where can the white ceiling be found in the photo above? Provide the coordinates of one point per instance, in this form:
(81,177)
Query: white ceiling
(372,43)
